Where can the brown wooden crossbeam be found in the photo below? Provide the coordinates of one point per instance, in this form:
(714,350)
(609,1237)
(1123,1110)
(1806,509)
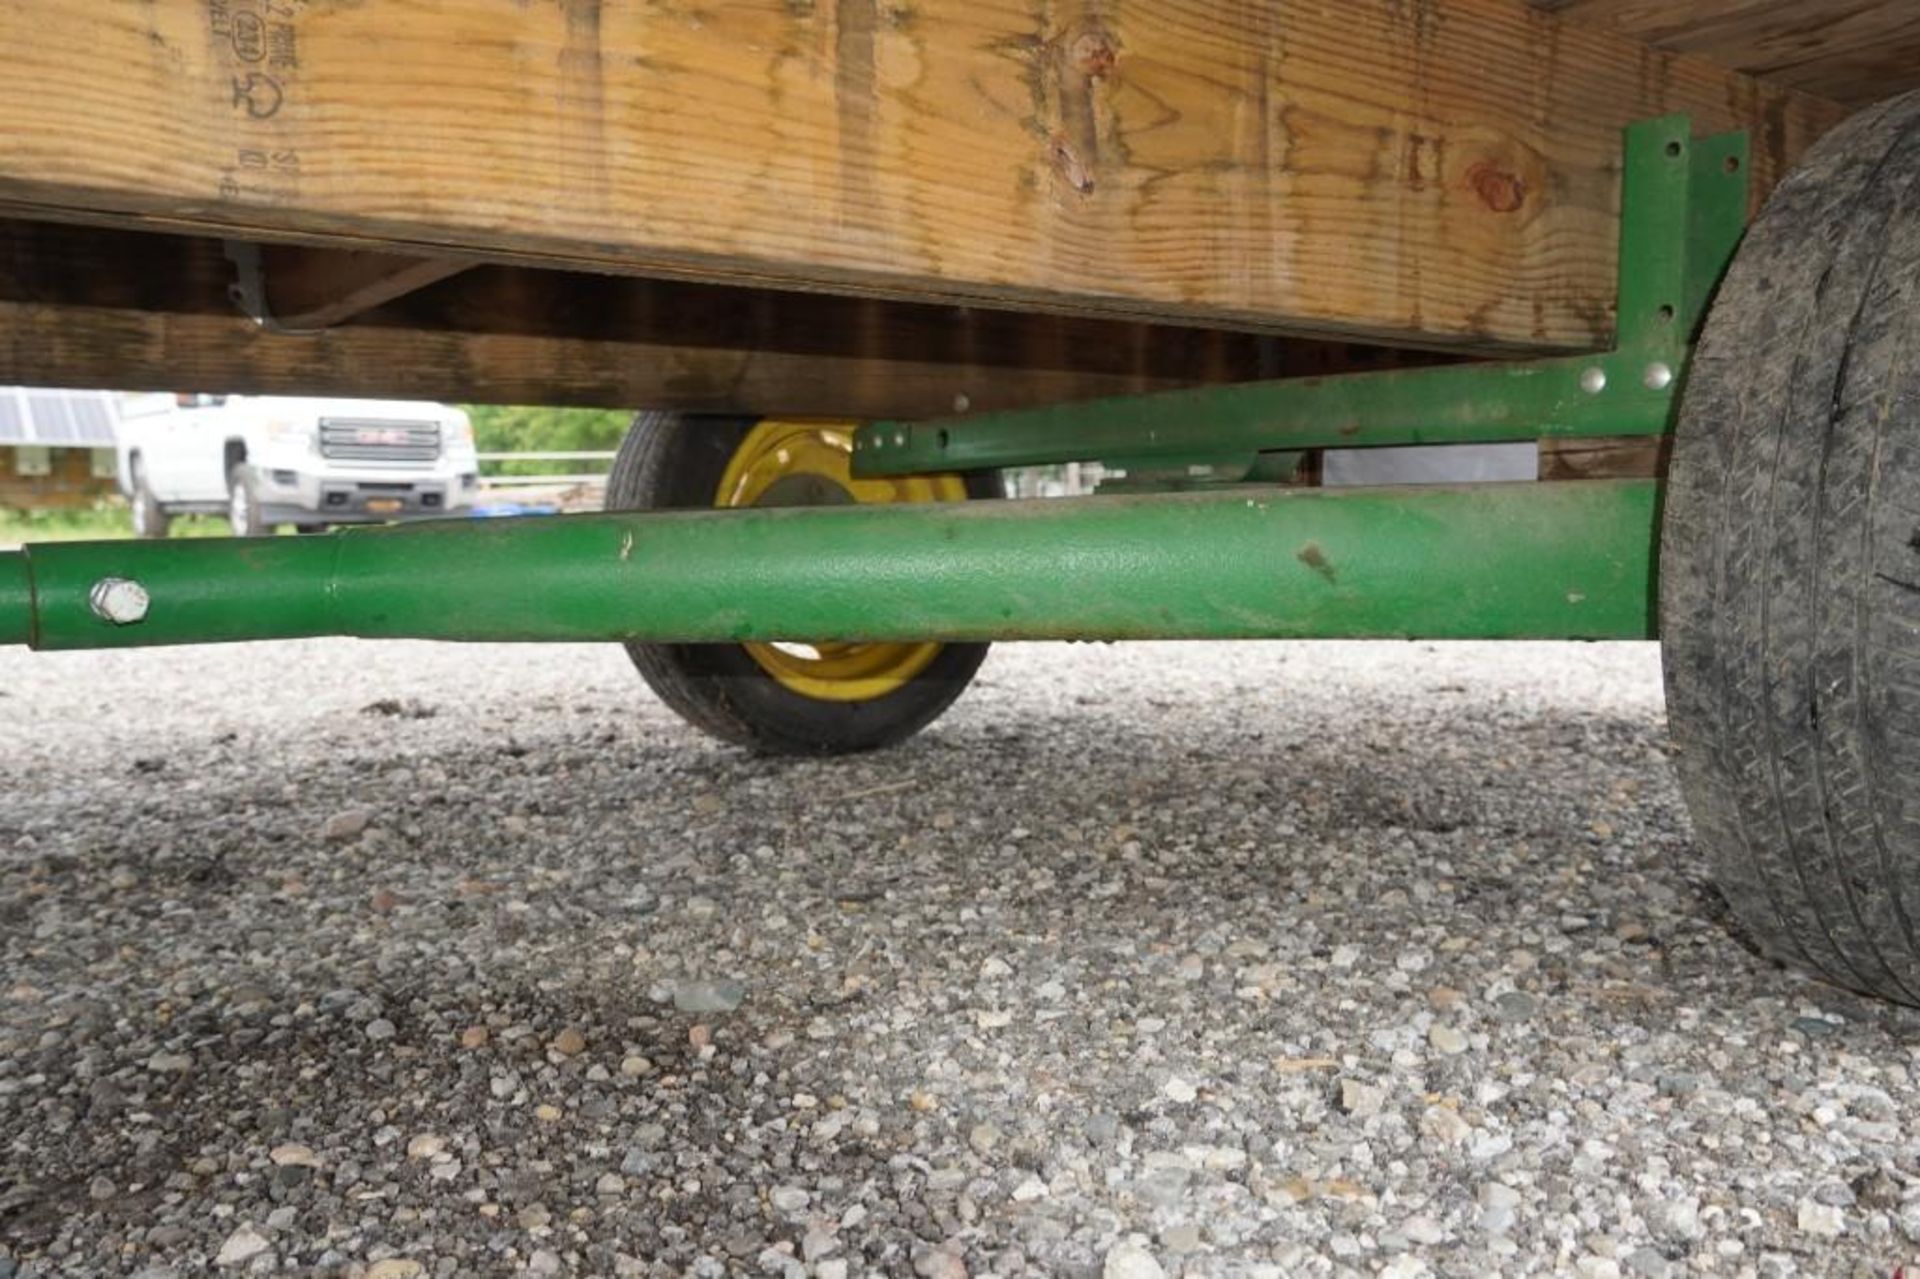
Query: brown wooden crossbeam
(88,306)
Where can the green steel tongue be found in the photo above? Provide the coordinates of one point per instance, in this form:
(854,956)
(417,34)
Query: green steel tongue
(1488,561)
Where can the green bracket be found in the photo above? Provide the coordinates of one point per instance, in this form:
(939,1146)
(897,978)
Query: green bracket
(1683,210)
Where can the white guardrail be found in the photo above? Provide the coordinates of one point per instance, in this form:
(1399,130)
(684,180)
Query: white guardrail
(541,481)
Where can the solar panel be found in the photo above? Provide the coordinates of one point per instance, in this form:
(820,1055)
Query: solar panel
(92,421)
(61,419)
(50,418)
(13,417)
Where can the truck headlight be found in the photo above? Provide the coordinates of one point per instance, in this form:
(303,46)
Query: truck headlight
(460,433)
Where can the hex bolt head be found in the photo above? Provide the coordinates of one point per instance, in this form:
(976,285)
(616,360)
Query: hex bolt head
(119,600)
(1659,376)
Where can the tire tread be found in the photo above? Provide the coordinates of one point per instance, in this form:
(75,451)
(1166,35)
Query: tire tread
(1779,658)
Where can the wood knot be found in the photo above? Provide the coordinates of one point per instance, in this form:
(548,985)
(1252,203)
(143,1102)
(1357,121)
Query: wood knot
(1499,190)
(1094,55)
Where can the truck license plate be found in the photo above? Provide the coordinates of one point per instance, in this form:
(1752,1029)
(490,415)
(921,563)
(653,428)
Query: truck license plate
(383,505)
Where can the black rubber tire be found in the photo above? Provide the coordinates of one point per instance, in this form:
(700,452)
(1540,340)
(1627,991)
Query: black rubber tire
(150,519)
(247,520)
(1790,566)
(675,461)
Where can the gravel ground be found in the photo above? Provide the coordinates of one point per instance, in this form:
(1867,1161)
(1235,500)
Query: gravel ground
(395,960)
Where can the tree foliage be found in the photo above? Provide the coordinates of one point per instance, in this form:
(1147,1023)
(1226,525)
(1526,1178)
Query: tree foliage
(525,428)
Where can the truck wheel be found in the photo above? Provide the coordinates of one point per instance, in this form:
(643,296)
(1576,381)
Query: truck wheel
(243,504)
(785,699)
(1790,566)
(150,519)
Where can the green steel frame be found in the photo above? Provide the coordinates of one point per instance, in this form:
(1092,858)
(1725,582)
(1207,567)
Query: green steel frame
(1573,560)
(1683,209)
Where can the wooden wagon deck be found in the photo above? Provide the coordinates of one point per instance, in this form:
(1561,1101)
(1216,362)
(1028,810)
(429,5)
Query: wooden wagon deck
(444,187)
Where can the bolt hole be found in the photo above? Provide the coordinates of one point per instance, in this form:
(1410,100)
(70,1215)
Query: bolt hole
(1666,312)
(1673,149)
(943,439)
(1733,164)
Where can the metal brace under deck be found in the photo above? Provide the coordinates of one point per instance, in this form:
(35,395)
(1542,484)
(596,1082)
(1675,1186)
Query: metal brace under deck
(1683,210)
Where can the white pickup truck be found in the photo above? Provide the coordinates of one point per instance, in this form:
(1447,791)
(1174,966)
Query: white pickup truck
(270,460)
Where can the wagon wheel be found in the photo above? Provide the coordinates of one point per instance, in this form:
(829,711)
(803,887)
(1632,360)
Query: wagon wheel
(150,518)
(824,699)
(1790,594)
(244,511)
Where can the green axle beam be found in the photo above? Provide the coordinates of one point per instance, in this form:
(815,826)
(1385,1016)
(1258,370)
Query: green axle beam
(1488,561)
(1683,210)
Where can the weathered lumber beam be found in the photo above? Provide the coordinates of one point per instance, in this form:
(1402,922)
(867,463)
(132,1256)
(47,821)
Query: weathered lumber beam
(1437,172)
(84,306)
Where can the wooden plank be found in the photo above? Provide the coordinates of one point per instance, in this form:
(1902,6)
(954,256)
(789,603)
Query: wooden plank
(82,306)
(1852,51)
(1437,172)
(303,288)
(135,348)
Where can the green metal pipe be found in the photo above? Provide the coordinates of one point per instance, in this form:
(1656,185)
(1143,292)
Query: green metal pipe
(1522,561)
(16,599)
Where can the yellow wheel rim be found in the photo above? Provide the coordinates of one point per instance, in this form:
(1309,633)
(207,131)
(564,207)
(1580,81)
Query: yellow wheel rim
(783,463)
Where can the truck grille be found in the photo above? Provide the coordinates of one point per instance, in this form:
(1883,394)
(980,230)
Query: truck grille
(348,439)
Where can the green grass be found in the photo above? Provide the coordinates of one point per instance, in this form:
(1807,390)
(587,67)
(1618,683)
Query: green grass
(103,522)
